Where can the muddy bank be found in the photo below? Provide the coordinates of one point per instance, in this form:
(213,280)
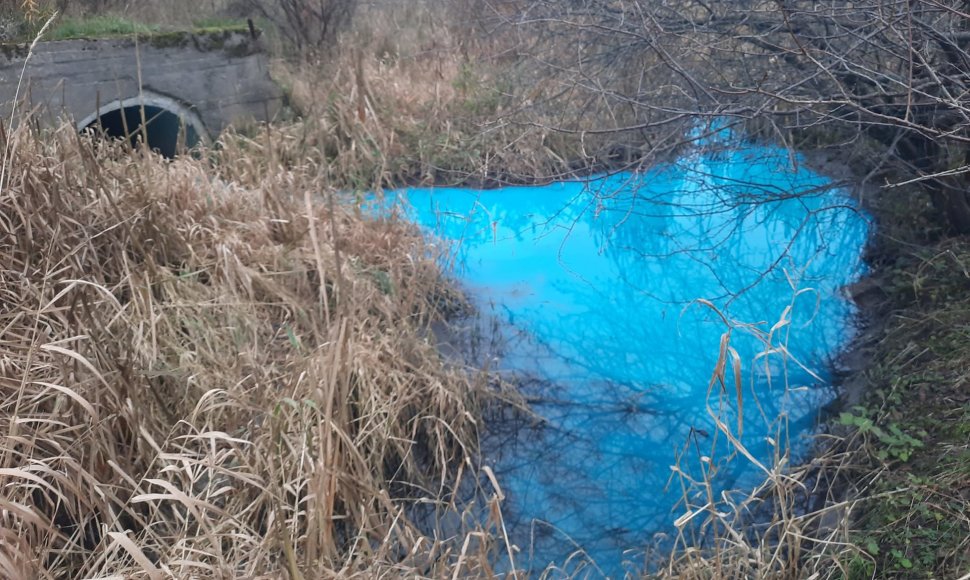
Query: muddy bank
(900,467)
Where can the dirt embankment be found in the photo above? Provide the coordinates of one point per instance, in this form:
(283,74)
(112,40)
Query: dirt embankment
(906,385)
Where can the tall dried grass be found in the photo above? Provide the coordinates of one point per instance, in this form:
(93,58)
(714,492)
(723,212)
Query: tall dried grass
(412,94)
(798,522)
(218,377)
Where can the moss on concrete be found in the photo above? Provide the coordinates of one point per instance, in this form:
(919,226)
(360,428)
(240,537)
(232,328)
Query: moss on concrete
(204,38)
(232,35)
(99,27)
(174,39)
(14,51)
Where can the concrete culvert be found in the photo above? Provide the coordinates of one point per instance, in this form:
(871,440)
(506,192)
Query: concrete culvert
(169,127)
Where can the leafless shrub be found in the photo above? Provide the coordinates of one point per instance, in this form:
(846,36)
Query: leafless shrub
(310,26)
(885,72)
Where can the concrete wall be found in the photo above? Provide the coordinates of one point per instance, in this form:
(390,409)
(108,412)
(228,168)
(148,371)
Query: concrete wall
(211,80)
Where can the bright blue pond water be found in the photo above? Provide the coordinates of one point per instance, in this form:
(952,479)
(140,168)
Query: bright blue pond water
(595,287)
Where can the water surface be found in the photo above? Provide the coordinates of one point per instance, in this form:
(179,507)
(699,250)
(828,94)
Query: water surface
(614,298)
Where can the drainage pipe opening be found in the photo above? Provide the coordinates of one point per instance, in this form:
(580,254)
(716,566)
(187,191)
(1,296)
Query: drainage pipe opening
(166,126)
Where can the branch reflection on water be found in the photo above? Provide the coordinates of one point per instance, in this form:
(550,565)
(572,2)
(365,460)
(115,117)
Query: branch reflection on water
(595,285)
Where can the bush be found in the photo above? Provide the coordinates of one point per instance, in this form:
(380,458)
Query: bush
(308,27)
(214,373)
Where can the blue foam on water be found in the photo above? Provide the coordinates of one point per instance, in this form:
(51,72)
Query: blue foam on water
(596,285)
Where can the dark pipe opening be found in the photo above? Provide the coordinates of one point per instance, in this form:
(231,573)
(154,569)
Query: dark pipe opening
(165,132)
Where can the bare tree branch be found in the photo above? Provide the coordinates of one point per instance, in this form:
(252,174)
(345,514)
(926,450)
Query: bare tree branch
(894,72)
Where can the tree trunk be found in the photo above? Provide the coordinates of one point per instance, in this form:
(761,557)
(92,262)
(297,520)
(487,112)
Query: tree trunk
(951,200)
(950,194)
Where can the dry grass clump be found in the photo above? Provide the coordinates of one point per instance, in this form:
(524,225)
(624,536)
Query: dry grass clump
(204,378)
(413,94)
(796,524)
(888,493)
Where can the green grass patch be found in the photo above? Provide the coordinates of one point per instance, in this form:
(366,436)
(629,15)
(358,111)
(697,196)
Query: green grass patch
(100,27)
(914,427)
(209,25)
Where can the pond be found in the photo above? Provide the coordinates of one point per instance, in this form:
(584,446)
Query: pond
(650,318)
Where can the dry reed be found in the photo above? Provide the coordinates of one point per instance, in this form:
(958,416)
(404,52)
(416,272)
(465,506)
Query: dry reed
(213,368)
(217,377)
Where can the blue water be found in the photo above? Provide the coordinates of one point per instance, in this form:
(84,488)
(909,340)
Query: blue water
(598,290)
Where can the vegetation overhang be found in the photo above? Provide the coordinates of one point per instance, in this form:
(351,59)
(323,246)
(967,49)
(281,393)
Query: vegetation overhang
(228,34)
